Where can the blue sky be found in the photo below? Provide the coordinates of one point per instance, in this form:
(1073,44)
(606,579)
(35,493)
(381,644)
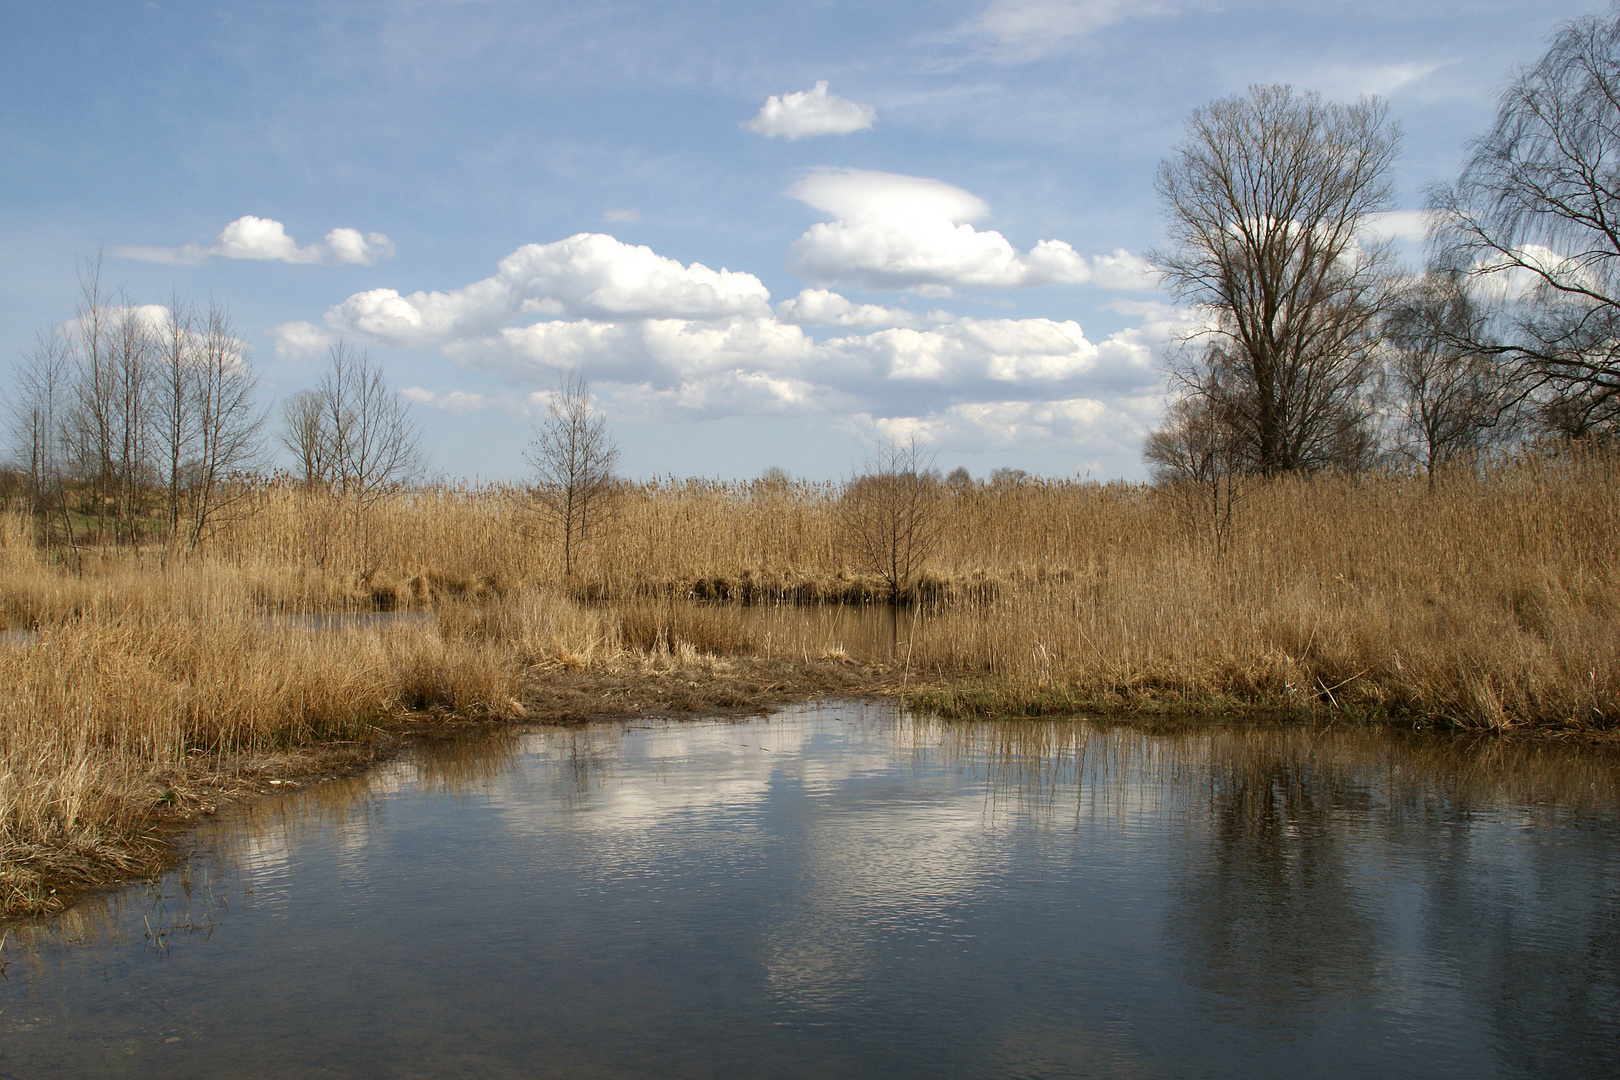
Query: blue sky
(943,240)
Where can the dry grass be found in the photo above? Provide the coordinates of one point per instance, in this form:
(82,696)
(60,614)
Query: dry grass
(1484,602)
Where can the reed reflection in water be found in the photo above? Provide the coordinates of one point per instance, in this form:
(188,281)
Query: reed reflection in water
(843,891)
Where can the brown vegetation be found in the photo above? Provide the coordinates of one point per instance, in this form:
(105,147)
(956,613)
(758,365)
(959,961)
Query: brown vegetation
(140,685)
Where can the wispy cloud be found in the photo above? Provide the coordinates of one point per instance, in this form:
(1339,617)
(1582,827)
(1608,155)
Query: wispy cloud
(1354,80)
(1029,28)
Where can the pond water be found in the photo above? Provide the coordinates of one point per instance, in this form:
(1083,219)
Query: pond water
(837,890)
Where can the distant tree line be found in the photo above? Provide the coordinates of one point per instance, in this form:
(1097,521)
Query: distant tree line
(134,418)
(1314,350)
(141,424)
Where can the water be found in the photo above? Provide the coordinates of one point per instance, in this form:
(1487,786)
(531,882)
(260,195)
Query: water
(835,891)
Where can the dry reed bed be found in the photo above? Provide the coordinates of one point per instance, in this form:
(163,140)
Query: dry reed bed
(1486,602)
(1482,600)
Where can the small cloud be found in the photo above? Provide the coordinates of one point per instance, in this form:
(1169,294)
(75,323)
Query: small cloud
(628,214)
(810,112)
(822,307)
(1122,270)
(1411,226)
(189,255)
(349,247)
(266,240)
(457,402)
(300,341)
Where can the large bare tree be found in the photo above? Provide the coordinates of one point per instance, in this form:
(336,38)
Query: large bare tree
(573,458)
(1267,201)
(1534,223)
(90,421)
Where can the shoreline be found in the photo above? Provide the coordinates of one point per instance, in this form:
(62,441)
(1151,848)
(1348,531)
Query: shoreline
(47,880)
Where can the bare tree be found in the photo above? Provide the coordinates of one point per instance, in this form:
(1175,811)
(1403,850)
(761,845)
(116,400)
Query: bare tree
(572,458)
(226,421)
(1534,224)
(1451,399)
(133,347)
(1267,200)
(173,414)
(303,431)
(90,424)
(371,440)
(42,384)
(108,419)
(890,514)
(1197,460)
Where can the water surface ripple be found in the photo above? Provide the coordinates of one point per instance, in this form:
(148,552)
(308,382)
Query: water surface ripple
(839,891)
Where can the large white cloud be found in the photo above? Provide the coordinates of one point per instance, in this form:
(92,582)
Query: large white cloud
(893,232)
(711,367)
(661,351)
(663,339)
(810,112)
(589,275)
(266,240)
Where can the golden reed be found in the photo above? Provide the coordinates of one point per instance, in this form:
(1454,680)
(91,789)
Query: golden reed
(1484,601)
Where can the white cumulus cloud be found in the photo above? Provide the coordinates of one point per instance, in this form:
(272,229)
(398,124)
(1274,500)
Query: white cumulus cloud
(661,339)
(1081,425)
(810,112)
(893,232)
(823,307)
(300,341)
(664,352)
(457,402)
(1410,226)
(590,275)
(266,240)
